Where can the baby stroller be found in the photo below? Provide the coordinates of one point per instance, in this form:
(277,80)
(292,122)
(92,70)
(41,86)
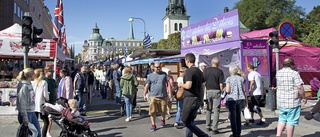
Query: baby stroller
(134,106)
(61,115)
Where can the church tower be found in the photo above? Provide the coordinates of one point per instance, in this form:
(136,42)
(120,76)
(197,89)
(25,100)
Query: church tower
(176,17)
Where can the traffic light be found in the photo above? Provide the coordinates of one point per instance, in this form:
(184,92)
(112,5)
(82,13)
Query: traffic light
(26,30)
(35,39)
(274,41)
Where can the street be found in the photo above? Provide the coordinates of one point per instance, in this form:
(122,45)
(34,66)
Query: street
(107,122)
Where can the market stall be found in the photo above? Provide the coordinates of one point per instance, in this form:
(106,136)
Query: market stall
(11,56)
(220,37)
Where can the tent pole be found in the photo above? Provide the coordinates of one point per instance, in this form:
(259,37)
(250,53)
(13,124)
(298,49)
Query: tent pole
(55,63)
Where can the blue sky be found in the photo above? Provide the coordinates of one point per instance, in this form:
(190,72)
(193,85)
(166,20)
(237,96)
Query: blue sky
(112,16)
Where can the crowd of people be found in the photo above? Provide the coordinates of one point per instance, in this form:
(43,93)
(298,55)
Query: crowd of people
(37,87)
(203,85)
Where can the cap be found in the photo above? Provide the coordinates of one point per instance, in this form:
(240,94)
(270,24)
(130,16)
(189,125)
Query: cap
(202,64)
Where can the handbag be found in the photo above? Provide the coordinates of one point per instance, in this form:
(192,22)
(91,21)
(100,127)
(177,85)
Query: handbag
(247,114)
(223,93)
(179,94)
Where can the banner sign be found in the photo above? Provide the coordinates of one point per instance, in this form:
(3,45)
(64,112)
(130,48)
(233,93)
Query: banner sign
(220,29)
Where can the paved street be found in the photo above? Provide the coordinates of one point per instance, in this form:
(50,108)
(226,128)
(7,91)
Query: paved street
(106,121)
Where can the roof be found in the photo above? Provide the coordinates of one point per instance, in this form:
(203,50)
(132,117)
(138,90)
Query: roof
(152,53)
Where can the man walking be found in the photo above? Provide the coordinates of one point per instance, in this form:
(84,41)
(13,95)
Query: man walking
(256,93)
(157,81)
(193,96)
(289,92)
(214,84)
(81,89)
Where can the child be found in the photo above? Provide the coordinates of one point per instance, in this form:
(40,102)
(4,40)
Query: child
(73,104)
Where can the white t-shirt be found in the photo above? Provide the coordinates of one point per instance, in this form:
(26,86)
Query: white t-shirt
(180,80)
(257,86)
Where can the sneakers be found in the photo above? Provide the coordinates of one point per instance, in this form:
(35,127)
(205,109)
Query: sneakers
(261,123)
(130,117)
(49,135)
(176,125)
(163,123)
(215,132)
(168,117)
(251,120)
(153,128)
(127,119)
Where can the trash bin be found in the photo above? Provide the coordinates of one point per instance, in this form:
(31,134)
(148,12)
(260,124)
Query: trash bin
(271,99)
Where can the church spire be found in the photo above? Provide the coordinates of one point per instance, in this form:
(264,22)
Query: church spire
(131,35)
(176,7)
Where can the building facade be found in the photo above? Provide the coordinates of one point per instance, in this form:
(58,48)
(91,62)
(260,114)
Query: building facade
(176,17)
(12,11)
(97,48)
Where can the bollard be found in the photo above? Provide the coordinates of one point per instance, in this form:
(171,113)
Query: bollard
(271,99)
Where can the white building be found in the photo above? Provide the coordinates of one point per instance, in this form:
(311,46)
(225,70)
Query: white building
(176,17)
(98,48)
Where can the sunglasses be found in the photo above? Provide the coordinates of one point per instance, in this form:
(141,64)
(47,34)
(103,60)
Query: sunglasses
(157,67)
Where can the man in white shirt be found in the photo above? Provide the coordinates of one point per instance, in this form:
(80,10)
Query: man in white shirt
(256,93)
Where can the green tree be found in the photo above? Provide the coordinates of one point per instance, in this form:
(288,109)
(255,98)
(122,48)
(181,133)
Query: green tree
(162,44)
(174,41)
(262,14)
(154,45)
(313,36)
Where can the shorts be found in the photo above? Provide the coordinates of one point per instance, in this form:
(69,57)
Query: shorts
(157,105)
(255,104)
(290,115)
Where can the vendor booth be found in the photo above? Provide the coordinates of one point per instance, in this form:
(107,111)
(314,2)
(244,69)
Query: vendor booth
(12,50)
(220,37)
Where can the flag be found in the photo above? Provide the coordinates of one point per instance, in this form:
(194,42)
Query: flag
(147,42)
(58,22)
(126,51)
(64,42)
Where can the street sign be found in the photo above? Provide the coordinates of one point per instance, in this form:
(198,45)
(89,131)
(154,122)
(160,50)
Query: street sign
(286,29)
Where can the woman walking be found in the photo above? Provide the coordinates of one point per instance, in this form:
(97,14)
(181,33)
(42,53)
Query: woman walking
(236,99)
(129,84)
(40,87)
(65,88)
(26,99)
(179,101)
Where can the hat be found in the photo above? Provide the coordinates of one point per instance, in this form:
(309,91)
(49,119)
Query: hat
(202,64)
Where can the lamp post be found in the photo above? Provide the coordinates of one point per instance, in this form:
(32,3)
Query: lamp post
(113,47)
(144,23)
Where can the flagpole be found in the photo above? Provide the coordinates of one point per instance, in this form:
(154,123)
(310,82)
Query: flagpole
(55,63)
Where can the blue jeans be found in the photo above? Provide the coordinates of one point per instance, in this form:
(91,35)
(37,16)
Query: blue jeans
(118,91)
(129,101)
(103,90)
(81,97)
(235,108)
(179,110)
(189,111)
(33,120)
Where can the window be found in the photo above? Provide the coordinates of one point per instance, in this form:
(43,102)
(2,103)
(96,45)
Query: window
(18,11)
(180,26)
(165,28)
(175,27)
(15,8)
(95,50)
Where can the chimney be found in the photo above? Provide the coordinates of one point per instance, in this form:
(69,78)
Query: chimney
(226,9)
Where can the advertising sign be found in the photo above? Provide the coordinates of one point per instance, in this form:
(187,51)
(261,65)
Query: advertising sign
(219,29)
(256,52)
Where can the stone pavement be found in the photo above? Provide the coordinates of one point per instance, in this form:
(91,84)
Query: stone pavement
(107,122)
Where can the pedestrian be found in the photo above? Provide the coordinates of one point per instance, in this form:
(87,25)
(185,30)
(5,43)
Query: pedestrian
(80,89)
(256,93)
(52,88)
(236,99)
(193,83)
(26,99)
(90,83)
(201,110)
(116,80)
(169,89)
(129,84)
(97,73)
(65,88)
(289,92)
(179,102)
(103,83)
(40,88)
(157,81)
(109,78)
(214,78)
